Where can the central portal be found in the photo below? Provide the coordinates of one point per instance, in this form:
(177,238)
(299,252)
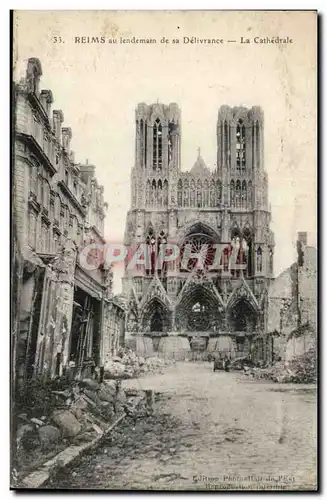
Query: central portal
(198,311)
(199,318)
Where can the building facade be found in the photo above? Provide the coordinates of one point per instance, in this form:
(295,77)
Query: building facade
(196,209)
(65,308)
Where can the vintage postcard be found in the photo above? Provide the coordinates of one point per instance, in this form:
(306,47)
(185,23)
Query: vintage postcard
(164,250)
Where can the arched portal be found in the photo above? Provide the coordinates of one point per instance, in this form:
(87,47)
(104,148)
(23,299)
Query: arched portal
(156,324)
(242,317)
(155,317)
(198,310)
(242,321)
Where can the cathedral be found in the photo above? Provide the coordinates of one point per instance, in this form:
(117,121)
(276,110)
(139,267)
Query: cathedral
(212,308)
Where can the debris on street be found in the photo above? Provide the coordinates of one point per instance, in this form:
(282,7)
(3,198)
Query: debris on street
(300,370)
(69,414)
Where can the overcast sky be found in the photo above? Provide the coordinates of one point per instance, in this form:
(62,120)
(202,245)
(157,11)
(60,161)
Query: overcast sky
(98,86)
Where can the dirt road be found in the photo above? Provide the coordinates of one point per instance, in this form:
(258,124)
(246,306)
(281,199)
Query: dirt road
(208,431)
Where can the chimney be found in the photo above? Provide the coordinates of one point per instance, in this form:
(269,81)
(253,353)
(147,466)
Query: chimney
(302,237)
(87,171)
(66,138)
(46,99)
(58,118)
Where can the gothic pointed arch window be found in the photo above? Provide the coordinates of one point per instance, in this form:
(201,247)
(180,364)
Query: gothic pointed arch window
(247,246)
(151,251)
(259,259)
(192,194)
(238,194)
(212,193)
(179,193)
(199,194)
(235,246)
(257,142)
(147,193)
(250,195)
(161,240)
(244,195)
(232,194)
(242,257)
(240,146)
(205,193)
(219,192)
(226,143)
(141,142)
(157,145)
(186,193)
(153,193)
(171,128)
(159,195)
(165,192)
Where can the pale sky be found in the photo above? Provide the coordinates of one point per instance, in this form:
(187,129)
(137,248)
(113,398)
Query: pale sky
(98,86)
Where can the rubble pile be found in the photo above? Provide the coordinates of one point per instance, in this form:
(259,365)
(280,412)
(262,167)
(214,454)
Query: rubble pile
(155,365)
(304,367)
(301,370)
(53,414)
(73,415)
(117,369)
(130,365)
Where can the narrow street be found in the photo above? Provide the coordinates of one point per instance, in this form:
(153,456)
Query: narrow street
(208,431)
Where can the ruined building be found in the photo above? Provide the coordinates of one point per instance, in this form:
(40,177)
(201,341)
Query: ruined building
(67,316)
(292,310)
(185,309)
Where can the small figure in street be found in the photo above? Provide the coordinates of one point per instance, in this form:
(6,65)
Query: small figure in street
(226,363)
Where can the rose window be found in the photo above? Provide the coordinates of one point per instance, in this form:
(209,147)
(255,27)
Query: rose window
(199,244)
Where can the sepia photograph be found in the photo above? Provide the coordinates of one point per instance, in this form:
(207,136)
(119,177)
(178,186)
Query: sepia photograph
(164,312)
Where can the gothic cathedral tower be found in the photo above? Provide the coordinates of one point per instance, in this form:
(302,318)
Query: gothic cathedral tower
(211,308)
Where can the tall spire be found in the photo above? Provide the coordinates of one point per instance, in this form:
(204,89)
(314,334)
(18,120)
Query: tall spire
(199,152)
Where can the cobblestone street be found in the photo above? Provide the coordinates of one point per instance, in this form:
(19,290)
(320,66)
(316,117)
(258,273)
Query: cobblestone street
(208,431)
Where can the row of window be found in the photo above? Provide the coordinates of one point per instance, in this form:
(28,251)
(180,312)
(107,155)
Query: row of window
(156,193)
(240,243)
(40,189)
(240,149)
(42,137)
(241,194)
(96,198)
(199,194)
(157,144)
(53,208)
(157,153)
(251,259)
(44,237)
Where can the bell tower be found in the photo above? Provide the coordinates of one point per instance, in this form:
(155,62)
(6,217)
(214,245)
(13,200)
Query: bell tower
(157,154)
(240,160)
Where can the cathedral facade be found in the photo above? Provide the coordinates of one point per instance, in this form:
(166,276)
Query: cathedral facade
(201,212)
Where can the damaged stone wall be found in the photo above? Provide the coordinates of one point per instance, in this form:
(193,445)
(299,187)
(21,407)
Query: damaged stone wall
(56,314)
(293,304)
(112,329)
(308,287)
